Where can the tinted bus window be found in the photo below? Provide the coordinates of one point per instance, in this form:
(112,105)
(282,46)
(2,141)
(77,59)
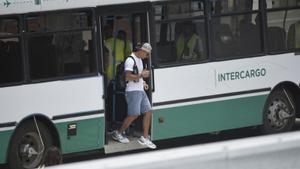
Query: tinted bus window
(230,6)
(10,60)
(180,32)
(283,26)
(179,9)
(236,35)
(58,21)
(282,3)
(9,27)
(60,53)
(11,69)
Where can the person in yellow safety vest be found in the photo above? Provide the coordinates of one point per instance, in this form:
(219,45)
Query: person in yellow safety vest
(294,36)
(117,48)
(128,45)
(187,44)
(117,45)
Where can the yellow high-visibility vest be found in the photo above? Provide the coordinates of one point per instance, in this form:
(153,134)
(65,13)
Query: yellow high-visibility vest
(191,44)
(119,55)
(128,49)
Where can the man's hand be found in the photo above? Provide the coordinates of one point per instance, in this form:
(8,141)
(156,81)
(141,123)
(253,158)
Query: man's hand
(146,86)
(145,73)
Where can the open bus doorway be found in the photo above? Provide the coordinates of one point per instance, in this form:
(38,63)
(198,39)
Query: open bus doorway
(120,34)
(118,44)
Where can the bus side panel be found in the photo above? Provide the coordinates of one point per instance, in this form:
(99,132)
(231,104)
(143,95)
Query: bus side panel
(4,142)
(89,135)
(207,117)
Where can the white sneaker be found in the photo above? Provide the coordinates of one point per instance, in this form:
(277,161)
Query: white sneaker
(147,142)
(119,137)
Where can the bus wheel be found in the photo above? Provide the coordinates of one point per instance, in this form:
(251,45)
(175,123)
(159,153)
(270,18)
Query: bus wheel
(279,113)
(27,149)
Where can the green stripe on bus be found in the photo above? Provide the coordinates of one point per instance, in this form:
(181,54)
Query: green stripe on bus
(89,135)
(4,142)
(207,117)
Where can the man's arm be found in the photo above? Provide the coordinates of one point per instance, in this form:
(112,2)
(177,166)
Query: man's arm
(130,76)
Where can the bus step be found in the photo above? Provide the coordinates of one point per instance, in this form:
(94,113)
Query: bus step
(115,146)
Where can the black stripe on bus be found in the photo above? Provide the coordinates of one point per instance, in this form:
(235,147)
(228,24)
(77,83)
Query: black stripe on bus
(8,124)
(66,116)
(210,97)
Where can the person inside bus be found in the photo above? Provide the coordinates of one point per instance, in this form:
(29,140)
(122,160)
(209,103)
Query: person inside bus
(136,97)
(116,48)
(187,42)
(116,51)
(122,35)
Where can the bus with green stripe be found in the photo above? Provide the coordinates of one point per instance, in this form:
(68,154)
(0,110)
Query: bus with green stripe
(215,65)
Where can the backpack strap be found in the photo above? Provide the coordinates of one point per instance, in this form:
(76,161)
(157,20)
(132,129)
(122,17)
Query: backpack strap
(132,59)
(134,68)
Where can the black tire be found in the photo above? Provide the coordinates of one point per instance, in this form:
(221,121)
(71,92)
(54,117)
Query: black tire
(26,150)
(279,114)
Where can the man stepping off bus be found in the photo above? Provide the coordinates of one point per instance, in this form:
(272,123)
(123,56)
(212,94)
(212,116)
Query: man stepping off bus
(136,97)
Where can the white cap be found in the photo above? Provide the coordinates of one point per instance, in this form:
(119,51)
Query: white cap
(146,47)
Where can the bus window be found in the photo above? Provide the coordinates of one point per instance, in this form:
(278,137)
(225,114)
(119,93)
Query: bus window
(237,35)
(58,21)
(231,6)
(165,42)
(10,60)
(10,52)
(282,3)
(62,47)
(293,38)
(282,25)
(180,39)
(188,43)
(9,27)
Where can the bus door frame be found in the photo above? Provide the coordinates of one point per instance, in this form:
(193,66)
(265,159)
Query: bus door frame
(117,10)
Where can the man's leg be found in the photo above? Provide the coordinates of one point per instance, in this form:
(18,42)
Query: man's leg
(133,111)
(133,99)
(117,134)
(146,124)
(145,139)
(126,123)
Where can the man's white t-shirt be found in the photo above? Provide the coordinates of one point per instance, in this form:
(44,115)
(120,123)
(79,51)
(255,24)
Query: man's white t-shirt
(129,63)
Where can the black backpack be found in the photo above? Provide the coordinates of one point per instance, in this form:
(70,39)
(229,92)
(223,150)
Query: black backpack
(120,74)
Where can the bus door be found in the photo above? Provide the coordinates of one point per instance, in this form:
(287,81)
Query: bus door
(121,28)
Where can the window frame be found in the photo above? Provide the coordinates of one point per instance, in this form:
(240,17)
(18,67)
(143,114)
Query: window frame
(239,13)
(279,9)
(93,51)
(203,17)
(20,38)
(208,15)
(240,56)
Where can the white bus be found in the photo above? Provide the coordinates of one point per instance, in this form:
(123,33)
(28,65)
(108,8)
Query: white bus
(216,65)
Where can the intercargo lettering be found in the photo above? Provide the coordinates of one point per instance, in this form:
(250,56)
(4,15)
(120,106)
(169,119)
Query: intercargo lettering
(244,74)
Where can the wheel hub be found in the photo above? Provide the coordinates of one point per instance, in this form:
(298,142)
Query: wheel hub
(29,147)
(278,114)
(29,151)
